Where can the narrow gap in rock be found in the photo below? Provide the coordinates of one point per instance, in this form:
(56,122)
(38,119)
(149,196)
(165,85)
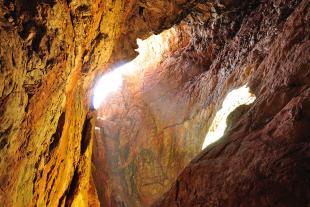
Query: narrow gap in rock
(86,134)
(57,135)
(72,188)
(234,99)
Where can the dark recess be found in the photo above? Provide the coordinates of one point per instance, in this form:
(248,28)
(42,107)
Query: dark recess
(56,136)
(86,135)
(72,188)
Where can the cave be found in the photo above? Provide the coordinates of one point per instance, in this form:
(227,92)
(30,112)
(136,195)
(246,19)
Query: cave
(155,103)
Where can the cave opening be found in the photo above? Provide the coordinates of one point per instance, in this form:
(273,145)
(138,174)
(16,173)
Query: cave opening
(234,99)
(150,52)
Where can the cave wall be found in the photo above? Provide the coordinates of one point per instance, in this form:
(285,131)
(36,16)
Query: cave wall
(156,124)
(263,159)
(51,50)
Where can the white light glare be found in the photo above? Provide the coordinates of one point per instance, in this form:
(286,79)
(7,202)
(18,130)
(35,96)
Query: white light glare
(235,98)
(106,85)
(150,51)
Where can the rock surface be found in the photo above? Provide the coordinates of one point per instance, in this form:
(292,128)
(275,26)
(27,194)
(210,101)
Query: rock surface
(50,52)
(263,160)
(153,127)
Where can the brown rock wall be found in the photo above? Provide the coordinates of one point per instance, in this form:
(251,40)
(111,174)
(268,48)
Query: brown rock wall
(263,159)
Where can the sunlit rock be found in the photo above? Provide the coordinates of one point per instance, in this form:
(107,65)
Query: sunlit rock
(235,98)
(109,103)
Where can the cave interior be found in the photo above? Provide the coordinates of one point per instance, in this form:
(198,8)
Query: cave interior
(166,103)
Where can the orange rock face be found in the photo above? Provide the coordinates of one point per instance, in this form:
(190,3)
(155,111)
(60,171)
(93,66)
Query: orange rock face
(50,52)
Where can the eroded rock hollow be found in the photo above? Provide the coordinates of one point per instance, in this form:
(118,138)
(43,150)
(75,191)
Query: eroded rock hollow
(144,144)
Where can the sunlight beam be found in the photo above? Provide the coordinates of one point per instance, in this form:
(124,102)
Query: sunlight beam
(107,84)
(150,52)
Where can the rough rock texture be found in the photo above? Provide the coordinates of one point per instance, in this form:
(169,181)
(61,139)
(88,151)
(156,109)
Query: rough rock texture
(134,144)
(263,160)
(156,124)
(50,52)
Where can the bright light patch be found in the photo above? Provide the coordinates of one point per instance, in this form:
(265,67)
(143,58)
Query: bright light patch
(107,84)
(150,52)
(235,98)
